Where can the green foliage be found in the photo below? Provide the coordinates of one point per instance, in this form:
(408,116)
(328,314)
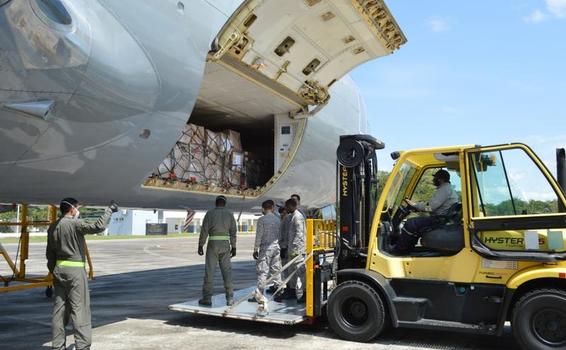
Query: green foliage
(40,213)
(381,179)
(521,207)
(424,191)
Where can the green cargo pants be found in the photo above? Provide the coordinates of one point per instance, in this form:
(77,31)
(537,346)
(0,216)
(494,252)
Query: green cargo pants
(72,300)
(217,252)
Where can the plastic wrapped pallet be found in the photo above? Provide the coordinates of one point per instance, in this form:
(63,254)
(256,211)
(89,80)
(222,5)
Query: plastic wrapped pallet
(205,157)
(194,135)
(166,169)
(233,141)
(233,160)
(189,165)
(188,154)
(213,158)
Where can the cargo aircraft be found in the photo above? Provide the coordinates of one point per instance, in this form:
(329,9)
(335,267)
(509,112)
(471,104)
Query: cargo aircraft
(95,94)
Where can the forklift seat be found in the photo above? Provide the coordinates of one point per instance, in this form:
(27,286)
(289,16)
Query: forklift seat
(448,236)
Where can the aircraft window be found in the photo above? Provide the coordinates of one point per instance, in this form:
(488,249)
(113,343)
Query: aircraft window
(510,183)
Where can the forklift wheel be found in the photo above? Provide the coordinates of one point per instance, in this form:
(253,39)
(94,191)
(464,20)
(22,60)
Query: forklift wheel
(539,319)
(355,312)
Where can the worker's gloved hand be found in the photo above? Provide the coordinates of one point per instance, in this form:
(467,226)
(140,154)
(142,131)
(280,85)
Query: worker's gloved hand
(200,250)
(113,206)
(283,253)
(233,252)
(255,255)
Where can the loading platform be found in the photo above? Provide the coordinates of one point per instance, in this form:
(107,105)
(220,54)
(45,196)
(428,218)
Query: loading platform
(320,242)
(286,312)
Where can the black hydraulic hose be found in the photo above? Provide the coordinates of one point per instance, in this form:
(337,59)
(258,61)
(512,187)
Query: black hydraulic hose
(561,174)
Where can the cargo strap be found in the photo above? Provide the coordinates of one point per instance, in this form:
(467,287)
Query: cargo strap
(219,238)
(70,263)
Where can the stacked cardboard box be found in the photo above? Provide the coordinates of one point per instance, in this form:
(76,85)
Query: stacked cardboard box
(205,157)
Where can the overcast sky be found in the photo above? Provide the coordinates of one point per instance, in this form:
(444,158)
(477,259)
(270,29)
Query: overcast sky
(472,72)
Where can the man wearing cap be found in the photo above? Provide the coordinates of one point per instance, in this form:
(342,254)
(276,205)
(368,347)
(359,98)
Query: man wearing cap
(219,226)
(66,261)
(438,205)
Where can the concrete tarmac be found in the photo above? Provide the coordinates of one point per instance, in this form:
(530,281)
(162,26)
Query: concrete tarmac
(137,279)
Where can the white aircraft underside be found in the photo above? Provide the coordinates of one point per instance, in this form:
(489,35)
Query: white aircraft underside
(95,93)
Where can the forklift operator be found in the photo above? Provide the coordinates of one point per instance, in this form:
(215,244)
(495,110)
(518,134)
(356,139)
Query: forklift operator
(438,206)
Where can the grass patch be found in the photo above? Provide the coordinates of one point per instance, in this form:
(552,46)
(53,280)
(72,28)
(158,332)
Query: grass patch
(41,239)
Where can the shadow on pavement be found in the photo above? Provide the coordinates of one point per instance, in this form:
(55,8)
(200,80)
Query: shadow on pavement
(25,317)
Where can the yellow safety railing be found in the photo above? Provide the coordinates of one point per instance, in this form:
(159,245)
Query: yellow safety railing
(20,274)
(320,237)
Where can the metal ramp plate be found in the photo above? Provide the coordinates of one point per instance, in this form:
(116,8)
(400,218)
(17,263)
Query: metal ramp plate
(285,312)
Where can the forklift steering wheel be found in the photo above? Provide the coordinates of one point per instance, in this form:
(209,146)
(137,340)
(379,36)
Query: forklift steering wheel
(405,209)
(409,206)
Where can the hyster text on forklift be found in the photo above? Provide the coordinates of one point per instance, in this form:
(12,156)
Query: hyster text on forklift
(498,255)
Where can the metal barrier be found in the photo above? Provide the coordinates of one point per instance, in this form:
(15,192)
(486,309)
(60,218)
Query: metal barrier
(320,240)
(20,274)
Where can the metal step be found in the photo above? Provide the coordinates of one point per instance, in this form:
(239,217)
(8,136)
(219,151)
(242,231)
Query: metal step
(439,324)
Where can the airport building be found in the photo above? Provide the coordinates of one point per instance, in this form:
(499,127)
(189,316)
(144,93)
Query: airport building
(140,222)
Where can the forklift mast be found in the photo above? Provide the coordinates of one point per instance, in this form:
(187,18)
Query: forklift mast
(356,197)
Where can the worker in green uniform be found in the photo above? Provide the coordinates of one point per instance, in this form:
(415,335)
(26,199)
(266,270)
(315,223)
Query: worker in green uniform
(219,226)
(66,261)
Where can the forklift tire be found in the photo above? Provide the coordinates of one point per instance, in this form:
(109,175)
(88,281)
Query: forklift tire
(355,312)
(539,319)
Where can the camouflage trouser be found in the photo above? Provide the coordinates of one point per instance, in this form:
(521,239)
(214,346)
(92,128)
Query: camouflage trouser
(218,252)
(300,268)
(72,300)
(268,265)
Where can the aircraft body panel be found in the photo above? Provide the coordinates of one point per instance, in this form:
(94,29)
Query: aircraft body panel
(122,80)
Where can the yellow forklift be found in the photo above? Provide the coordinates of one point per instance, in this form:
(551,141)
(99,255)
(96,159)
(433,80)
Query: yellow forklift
(496,257)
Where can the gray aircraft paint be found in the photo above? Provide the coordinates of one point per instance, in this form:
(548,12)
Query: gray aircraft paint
(120,71)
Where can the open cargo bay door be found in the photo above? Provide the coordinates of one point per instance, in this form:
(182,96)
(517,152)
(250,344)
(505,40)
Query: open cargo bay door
(299,48)
(269,69)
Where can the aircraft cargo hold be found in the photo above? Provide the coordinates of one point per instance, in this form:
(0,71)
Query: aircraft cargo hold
(206,160)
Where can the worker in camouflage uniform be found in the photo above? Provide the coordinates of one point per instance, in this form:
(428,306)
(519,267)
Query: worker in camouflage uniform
(219,226)
(295,249)
(266,249)
(66,261)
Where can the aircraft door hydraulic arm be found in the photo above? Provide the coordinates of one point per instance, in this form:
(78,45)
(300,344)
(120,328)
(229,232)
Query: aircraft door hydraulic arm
(357,196)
